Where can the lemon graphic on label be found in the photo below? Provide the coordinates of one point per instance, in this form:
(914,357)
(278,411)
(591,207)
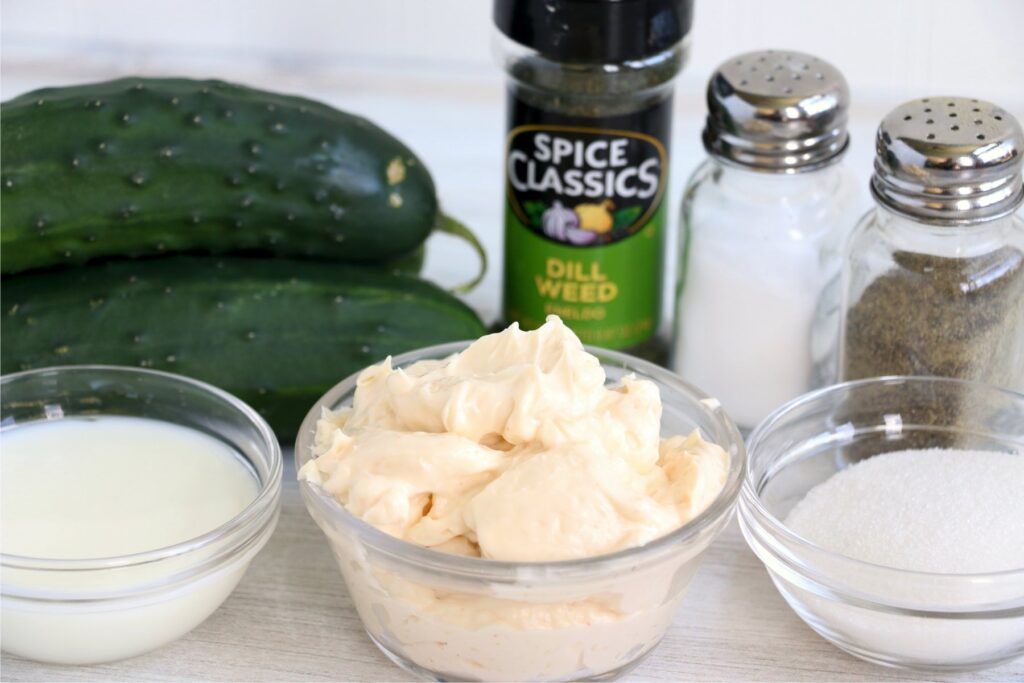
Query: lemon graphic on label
(596,217)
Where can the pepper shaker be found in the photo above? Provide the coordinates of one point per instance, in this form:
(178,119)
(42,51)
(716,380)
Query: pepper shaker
(933,276)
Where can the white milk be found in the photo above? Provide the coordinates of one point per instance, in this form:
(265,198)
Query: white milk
(76,489)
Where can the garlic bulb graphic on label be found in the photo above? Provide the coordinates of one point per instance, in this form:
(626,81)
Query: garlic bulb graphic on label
(558,220)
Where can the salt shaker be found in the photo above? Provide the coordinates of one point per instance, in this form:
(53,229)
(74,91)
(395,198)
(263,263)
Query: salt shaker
(933,276)
(762,224)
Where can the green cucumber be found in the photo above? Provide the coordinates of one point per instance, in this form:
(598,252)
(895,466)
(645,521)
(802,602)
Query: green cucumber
(275,332)
(141,166)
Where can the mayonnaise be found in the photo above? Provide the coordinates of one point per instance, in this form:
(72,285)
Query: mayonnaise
(513,450)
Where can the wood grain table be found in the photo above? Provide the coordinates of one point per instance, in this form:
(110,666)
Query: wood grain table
(291,620)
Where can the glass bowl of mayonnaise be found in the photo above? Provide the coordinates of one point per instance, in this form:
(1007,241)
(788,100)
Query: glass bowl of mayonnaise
(498,513)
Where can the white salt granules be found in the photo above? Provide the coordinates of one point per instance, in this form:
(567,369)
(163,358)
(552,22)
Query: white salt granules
(935,510)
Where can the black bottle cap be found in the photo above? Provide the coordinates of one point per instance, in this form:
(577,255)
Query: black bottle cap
(603,31)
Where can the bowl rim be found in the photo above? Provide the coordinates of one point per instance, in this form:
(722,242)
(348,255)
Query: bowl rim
(718,511)
(268,493)
(766,522)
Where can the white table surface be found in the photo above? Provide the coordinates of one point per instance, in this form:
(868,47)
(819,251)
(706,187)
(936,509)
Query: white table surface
(291,618)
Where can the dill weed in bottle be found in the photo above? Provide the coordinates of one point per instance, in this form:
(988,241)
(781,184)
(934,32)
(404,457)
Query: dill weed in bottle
(589,117)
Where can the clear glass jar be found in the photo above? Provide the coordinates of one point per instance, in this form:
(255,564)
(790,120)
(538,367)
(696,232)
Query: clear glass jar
(757,254)
(927,299)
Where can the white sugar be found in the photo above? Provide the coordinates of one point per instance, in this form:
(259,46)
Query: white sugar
(935,510)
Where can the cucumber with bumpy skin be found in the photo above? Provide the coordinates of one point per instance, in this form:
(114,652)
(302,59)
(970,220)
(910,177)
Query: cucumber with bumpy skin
(275,332)
(142,166)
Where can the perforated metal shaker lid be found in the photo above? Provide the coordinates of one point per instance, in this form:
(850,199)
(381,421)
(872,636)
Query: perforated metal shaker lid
(949,160)
(777,111)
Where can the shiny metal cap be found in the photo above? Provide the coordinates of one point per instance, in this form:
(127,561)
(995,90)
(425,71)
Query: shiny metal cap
(777,111)
(949,160)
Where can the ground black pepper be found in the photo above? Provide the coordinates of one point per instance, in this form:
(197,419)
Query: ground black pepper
(939,316)
(932,315)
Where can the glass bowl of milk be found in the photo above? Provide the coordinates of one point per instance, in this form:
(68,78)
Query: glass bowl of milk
(132,504)
(889,513)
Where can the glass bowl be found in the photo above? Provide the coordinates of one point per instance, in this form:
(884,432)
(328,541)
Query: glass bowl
(448,617)
(915,620)
(100,610)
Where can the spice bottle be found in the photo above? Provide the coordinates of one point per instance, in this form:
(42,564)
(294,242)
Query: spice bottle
(933,277)
(762,224)
(589,115)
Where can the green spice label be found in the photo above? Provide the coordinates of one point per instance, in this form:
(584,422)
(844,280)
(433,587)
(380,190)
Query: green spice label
(584,228)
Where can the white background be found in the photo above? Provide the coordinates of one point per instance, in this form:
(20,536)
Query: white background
(889,49)
(423,69)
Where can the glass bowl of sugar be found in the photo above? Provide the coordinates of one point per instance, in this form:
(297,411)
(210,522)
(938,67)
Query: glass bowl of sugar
(889,513)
